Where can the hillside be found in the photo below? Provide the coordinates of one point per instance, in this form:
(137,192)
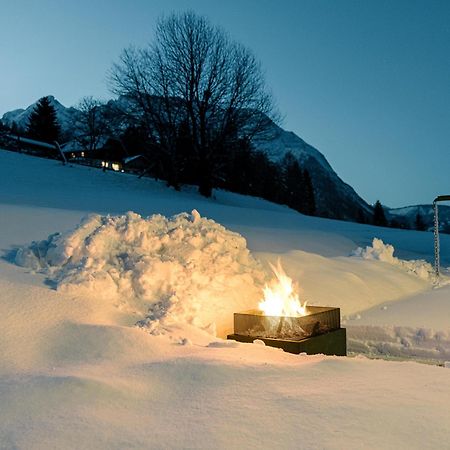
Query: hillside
(334,198)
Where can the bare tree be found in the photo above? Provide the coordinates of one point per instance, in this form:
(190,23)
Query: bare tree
(195,77)
(91,126)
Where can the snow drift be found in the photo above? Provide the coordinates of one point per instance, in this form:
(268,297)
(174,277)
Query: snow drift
(184,269)
(385,252)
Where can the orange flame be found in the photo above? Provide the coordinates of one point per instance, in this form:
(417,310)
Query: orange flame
(280,298)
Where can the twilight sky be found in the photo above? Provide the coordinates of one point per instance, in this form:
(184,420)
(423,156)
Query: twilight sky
(366,82)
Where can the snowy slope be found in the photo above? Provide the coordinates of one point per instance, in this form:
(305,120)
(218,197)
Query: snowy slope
(76,373)
(334,198)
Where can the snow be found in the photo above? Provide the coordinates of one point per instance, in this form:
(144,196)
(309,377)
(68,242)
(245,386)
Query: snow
(184,269)
(276,142)
(76,371)
(385,252)
(417,327)
(33,141)
(128,159)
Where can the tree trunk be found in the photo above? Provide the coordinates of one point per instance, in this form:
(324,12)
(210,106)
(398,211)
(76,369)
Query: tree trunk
(205,186)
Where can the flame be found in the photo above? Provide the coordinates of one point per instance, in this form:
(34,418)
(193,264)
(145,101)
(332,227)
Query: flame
(280,298)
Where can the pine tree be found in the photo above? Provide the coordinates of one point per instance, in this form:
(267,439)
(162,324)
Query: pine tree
(446,228)
(379,217)
(43,124)
(3,131)
(298,190)
(294,183)
(15,129)
(419,223)
(360,216)
(3,127)
(309,198)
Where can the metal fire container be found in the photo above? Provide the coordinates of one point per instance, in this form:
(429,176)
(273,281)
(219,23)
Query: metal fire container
(319,331)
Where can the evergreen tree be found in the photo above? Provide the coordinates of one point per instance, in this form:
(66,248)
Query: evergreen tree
(309,198)
(419,223)
(3,128)
(297,189)
(379,217)
(360,216)
(445,228)
(15,129)
(3,131)
(43,124)
(294,183)
(394,223)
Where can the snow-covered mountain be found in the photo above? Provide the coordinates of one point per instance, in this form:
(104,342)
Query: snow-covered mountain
(21,117)
(334,198)
(407,215)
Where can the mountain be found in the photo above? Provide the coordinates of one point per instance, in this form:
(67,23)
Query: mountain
(406,216)
(21,117)
(334,198)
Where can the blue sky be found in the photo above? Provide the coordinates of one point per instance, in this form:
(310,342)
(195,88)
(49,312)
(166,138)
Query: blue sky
(366,82)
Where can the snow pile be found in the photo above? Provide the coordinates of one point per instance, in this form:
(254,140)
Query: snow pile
(378,251)
(184,269)
(385,252)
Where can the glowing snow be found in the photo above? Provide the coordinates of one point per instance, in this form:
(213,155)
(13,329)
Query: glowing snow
(184,269)
(385,252)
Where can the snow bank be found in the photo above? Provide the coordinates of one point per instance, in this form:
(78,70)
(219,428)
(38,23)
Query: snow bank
(184,269)
(385,252)
(400,341)
(414,327)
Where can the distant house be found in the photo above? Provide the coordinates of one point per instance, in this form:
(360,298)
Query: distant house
(135,164)
(72,149)
(108,154)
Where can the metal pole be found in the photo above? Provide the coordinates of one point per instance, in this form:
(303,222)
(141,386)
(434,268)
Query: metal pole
(63,156)
(436,239)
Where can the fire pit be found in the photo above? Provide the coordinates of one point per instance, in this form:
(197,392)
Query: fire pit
(318,331)
(283,321)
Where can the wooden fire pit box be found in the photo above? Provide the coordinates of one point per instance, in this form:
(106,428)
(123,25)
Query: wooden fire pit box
(317,332)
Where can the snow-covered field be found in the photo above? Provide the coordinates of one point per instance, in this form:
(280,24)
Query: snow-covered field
(76,371)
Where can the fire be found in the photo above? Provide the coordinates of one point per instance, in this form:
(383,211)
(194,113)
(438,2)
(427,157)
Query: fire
(280,298)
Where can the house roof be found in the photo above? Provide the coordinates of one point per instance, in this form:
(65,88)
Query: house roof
(128,159)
